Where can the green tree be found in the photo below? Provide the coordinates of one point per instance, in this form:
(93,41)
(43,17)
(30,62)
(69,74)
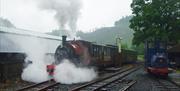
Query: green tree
(139,48)
(155,19)
(124,46)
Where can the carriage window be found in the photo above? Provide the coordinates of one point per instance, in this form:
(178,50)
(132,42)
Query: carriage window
(105,51)
(96,51)
(100,50)
(108,51)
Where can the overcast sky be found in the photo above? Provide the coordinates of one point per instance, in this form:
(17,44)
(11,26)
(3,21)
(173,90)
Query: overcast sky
(94,14)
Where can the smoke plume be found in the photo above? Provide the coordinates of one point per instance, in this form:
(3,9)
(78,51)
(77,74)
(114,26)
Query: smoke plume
(67,13)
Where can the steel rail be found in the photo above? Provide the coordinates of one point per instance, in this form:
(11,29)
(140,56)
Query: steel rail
(170,80)
(98,80)
(125,88)
(115,79)
(167,84)
(122,74)
(169,88)
(31,86)
(48,87)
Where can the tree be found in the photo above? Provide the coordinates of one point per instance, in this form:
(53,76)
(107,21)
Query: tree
(155,19)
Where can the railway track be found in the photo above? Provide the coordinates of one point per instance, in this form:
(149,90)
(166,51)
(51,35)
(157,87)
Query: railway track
(100,84)
(164,85)
(39,86)
(106,83)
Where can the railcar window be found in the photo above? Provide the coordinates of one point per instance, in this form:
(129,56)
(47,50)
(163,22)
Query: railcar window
(108,50)
(105,51)
(95,52)
(99,51)
(94,49)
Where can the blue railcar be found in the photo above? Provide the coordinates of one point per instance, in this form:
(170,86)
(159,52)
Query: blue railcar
(156,61)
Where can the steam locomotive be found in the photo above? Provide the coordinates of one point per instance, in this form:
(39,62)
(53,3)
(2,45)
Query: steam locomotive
(85,53)
(156,59)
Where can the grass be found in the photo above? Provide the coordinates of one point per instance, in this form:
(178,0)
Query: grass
(140,58)
(178,71)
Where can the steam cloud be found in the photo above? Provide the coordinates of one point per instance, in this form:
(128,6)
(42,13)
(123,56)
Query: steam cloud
(36,71)
(67,12)
(68,73)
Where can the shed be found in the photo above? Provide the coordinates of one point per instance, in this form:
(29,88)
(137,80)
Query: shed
(174,55)
(175,49)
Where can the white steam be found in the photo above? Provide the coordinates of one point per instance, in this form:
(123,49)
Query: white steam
(67,13)
(35,50)
(68,73)
(35,73)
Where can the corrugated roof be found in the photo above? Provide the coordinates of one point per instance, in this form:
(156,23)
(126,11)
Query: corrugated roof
(11,40)
(7,45)
(27,33)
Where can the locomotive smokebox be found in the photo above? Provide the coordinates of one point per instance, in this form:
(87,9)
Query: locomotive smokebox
(64,40)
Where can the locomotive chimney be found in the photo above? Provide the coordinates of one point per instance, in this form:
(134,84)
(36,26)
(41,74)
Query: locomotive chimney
(64,40)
